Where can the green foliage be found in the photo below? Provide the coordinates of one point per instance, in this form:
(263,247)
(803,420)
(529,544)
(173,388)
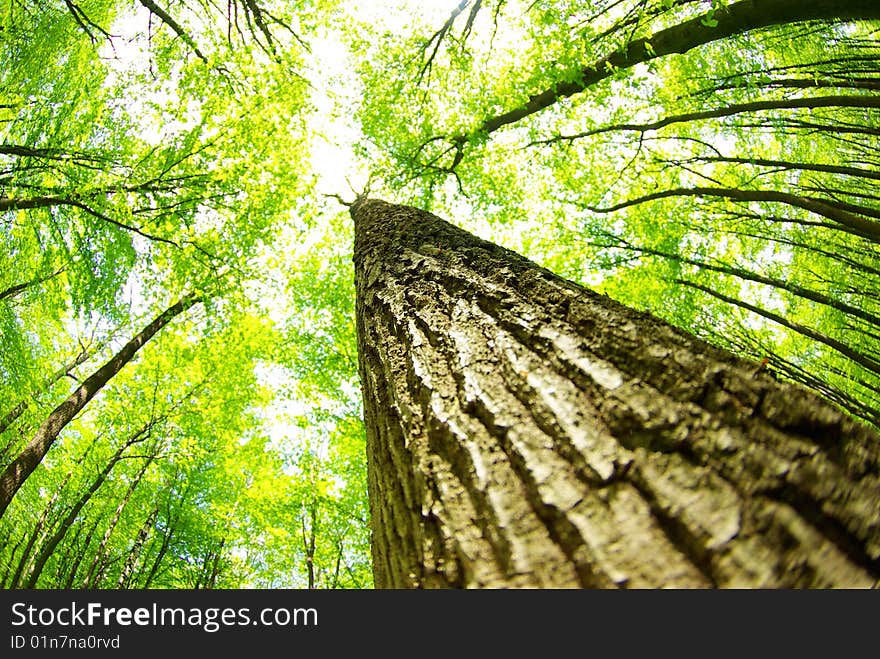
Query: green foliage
(193,157)
(133,174)
(574,167)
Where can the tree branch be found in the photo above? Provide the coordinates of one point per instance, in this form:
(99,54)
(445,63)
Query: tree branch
(842,213)
(730,110)
(738,18)
(166,18)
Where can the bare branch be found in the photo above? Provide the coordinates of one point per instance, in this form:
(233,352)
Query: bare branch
(86,23)
(48,202)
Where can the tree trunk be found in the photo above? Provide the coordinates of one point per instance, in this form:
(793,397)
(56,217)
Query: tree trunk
(137,547)
(10,417)
(78,557)
(102,556)
(309,539)
(68,520)
(168,529)
(10,560)
(37,533)
(523,431)
(22,467)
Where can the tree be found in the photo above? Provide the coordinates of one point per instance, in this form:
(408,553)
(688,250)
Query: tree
(51,543)
(700,133)
(23,465)
(727,21)
(713,162)
(125,180)
(525,431)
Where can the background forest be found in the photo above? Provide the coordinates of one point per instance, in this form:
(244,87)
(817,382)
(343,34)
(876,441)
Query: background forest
(184,165)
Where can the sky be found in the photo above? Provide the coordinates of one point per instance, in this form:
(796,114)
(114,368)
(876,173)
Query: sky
(335,92)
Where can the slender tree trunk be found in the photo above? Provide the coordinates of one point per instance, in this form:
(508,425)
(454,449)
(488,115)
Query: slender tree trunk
(523,431)
(22,467)
(10,559)
(10,417)
(164,546)
(216,566)
(102,555)
(77,560)
(64,525)
(210,570)
(334,582)
(136,549)
(308,538)
(38,532)
(66,559)
(160,556)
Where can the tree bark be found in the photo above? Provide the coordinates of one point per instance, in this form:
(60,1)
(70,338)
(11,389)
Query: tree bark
(168,529)
(78,557)
(102,556)
(523,431)
(22,467)
(10,417)
(137,547)
(37,532)
(10,560)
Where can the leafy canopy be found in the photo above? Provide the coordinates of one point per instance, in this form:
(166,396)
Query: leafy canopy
(716,166)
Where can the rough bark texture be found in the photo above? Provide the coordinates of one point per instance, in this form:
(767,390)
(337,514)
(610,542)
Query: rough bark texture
(523,431)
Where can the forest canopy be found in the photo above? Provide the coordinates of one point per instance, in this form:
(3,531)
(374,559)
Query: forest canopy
(179,394)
